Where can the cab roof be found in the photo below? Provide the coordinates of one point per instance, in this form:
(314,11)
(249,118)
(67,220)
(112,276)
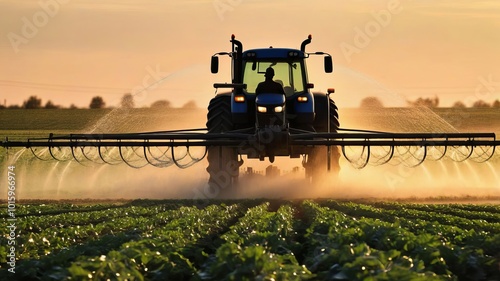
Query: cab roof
(273,53)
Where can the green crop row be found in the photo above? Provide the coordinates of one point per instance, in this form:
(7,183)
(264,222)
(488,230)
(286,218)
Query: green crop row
(489,241)
(429,243)
(340,247)
(36,224)
(57,237)
(441,218)
(260,246)
(456,211)
(51,209)
(255,240)
(488,208)
(158,248)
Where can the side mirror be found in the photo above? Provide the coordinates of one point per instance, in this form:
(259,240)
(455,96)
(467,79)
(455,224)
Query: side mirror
(328,64)
(214,64)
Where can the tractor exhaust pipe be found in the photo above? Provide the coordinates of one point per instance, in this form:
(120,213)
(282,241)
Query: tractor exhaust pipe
(304,43)
(237,52)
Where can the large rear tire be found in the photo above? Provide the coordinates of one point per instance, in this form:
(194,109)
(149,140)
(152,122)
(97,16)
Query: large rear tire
(317,162)
(223,165)
(321,103)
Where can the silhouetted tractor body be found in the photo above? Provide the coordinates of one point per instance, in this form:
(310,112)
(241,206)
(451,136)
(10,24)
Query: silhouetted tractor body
(272,117)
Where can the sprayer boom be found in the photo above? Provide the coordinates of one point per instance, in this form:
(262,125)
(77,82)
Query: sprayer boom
(360,148)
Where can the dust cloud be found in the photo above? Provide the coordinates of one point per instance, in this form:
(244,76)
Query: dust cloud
(71,180)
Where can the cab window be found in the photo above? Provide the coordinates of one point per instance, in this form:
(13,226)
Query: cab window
(288,74)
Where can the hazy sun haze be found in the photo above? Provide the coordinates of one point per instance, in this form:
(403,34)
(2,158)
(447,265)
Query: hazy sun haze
(69,51)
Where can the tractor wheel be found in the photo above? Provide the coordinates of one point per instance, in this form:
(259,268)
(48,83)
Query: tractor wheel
(321,109)
(223,166)
(316,165)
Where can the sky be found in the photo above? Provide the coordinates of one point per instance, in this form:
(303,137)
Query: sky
(69,51)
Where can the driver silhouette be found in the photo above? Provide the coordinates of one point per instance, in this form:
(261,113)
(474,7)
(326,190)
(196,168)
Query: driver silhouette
(268,85)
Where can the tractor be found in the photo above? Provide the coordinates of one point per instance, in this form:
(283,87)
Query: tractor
(270,114)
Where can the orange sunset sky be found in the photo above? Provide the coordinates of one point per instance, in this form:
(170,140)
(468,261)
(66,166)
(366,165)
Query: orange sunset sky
(71,50)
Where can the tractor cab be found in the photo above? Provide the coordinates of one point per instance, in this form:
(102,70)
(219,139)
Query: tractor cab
(277,106)
(294,106)
(288,66)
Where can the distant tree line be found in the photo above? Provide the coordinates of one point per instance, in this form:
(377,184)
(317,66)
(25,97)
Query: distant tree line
(127,101)
(429,102)
(97,102)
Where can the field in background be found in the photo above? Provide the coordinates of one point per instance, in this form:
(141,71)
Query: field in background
(38,123)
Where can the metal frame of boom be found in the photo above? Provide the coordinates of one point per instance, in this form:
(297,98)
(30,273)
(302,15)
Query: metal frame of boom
(484,144)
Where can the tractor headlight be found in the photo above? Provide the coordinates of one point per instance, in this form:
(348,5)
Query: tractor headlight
(239,98)
(278,109)
(302,99)
(262,109)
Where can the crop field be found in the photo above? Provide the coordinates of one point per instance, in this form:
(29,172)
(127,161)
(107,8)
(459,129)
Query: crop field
(253,240)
